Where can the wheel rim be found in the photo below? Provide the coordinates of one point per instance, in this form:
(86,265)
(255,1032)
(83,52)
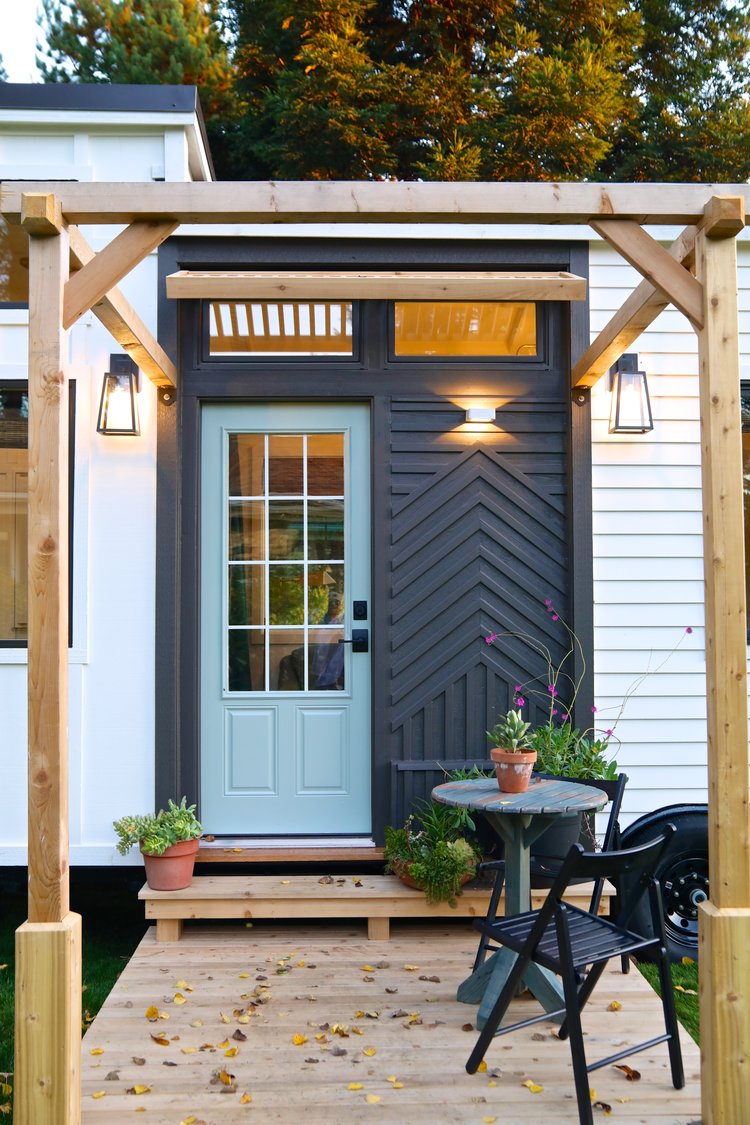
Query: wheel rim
(685,887)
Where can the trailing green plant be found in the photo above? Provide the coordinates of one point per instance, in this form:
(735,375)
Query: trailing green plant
(511,732)
(432,849)
(155,832)
(564,752)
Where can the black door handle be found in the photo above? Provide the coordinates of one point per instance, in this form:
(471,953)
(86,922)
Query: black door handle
(359,640)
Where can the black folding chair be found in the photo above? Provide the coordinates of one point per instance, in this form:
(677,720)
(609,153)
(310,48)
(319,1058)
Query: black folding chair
(577,945)
(544,869)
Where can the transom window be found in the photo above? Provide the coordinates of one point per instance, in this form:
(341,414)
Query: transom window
(464,328)
(14,477)
(286,562)
(280,328)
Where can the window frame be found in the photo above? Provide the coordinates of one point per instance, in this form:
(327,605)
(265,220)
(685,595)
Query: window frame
(21,384)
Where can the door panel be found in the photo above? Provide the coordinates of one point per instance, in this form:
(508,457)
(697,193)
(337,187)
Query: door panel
(285,551)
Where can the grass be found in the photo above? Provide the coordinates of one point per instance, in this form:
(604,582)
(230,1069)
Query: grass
(113,924)
(685,980)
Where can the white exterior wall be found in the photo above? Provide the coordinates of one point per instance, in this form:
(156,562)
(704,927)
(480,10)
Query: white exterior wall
(111,664)
(648,553)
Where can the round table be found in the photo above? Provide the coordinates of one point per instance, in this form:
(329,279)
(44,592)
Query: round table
(519,819)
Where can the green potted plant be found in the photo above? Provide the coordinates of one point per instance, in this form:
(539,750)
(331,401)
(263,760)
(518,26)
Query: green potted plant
(430,852)
(168,841)
(511,752)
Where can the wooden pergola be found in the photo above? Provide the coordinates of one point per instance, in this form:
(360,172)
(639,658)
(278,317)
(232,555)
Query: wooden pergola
(698,274)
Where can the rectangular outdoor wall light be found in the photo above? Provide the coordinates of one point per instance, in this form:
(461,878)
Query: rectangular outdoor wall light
(480,414)
(118,406)
(630,409)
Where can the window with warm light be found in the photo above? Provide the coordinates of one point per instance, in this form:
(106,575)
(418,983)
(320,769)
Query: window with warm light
(470,329)
(14,477)
(280,328)
(745,406)
(14,265)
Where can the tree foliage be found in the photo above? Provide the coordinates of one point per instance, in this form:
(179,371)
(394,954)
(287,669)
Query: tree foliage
(437,89)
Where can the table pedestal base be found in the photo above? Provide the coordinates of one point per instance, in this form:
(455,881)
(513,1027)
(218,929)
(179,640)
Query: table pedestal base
(485,985)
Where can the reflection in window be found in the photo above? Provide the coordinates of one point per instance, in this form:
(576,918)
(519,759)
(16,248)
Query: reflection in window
(465,328)
(280,328)
(14,264)
(14,473)
(285,562)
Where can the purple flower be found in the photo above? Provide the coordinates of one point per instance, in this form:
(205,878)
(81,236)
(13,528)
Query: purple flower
(593,710)
(492,637)
(555,617)
(517,688)
(548,602)
(552,690)
(565,717)
(520,701)
(608,733)
(689,629)
(554,710)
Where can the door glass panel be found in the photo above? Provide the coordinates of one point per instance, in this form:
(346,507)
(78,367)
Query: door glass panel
(286,562)
(325,465)
(285,467)
(246,464)
(465,328)
(246,529)
(247,603)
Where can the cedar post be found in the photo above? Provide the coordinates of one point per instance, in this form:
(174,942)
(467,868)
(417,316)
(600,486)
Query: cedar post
(724,921)
(48,945)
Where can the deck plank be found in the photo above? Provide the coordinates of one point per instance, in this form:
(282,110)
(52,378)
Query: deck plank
(325,983)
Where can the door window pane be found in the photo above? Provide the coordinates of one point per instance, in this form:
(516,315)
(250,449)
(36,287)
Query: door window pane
(465,328)
(286,562)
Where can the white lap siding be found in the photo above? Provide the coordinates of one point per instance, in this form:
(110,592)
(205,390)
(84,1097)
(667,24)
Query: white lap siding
(648,554)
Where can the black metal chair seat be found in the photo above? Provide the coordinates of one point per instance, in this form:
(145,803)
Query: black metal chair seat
(577,945)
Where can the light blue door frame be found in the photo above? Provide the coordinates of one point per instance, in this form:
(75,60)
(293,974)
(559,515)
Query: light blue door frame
(285,554)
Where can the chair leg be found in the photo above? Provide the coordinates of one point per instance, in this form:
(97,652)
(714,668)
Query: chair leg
(484,941)
(670,1021)
(573,1027)
(494,1018)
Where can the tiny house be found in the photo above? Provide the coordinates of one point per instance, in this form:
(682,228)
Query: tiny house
(281,583)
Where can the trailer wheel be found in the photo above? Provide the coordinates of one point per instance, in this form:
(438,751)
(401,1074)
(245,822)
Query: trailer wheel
(682,872)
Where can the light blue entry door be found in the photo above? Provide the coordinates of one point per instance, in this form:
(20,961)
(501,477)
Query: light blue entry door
(285,555)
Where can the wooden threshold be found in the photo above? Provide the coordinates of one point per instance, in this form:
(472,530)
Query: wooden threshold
(377,898)
(225,851)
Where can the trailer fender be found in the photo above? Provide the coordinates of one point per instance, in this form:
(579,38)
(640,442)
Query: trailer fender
(682,872)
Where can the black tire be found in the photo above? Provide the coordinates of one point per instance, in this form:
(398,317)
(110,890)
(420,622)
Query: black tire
(682,872)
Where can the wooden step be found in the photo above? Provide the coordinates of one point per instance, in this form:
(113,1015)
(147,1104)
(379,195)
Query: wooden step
(378,898)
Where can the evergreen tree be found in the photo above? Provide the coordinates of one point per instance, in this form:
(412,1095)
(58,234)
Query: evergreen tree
(690,88)
(173,42)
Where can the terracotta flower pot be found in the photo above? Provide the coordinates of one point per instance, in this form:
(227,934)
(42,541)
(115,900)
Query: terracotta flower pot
(172,870)
(513,768)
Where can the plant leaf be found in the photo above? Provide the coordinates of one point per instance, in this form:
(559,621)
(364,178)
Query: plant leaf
(532,1086)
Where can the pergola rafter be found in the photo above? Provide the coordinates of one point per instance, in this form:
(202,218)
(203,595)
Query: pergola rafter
(48,1000)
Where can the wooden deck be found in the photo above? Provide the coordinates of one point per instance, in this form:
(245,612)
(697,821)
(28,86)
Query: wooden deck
(379,1036)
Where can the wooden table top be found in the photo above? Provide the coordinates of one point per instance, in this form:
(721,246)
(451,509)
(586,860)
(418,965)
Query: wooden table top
(544,796)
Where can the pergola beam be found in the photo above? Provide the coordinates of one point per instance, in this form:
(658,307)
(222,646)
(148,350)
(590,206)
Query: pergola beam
(122,321)
(241,285)
(640,310)
(357,202)
(93,281)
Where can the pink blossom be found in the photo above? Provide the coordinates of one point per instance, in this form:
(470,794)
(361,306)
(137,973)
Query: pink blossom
(689,629)
(492,637)
(520,701)
(593,710)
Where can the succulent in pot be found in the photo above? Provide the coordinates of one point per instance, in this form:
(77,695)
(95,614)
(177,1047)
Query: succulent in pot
(511,754)
(168,841)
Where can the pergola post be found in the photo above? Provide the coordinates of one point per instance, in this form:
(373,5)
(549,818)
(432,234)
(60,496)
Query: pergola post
(724,921)
(48,945)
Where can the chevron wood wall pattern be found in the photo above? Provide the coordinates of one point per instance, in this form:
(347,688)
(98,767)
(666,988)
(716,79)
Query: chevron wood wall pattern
(478,540)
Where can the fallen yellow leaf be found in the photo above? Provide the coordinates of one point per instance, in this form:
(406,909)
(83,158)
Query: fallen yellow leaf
(223,1018)
(96,1051)
(614,1006)
(196,1023)
(243,976)
(354,1086)
(298,1039)
(99,1094)
(372,1099)
(184,986)
(152,1013)
(285,882)
(489,1120)
(225,1077)
(245,1099)
(188,1050)
(161,1040)
(367,968)
(369,1051)
(482,1067)
(412,968)
(179,998)
(189,1120)
(231,1052)
(301,964)
(397,1085)
(532,1086)
(683,961)
(138,1089)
